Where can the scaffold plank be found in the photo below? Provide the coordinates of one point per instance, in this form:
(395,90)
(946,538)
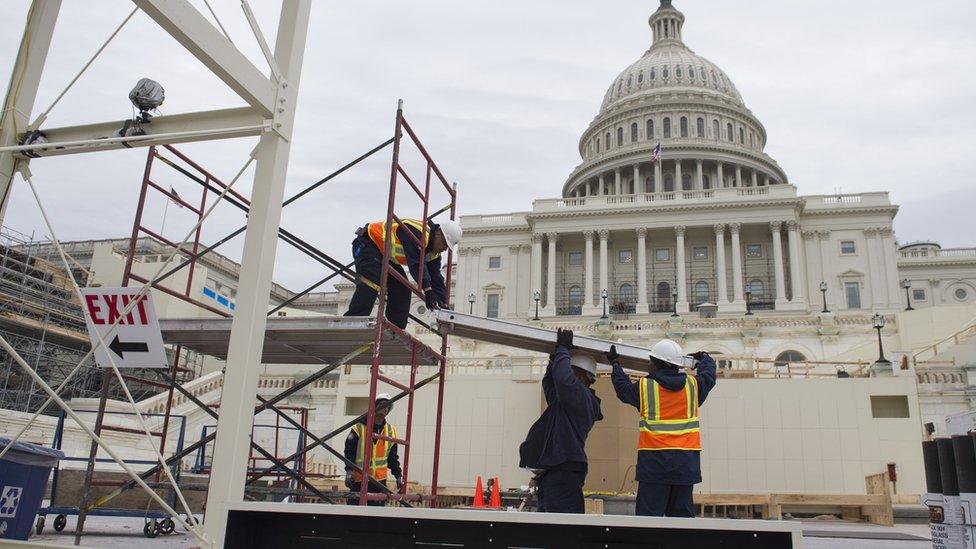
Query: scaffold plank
(534,338)
(303,340)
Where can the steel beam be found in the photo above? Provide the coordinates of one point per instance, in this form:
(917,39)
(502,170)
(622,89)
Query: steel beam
(22,90)
(195,33)
(247,331)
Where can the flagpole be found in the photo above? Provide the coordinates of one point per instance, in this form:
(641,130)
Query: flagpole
(162,227)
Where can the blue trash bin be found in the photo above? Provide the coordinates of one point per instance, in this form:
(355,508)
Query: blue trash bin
(24,471)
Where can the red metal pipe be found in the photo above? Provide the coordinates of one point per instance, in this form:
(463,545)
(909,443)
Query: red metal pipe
(160,238)
(410,285)
(394,383)
(175,198)
(410,181)
(423,151)
(413,379)
(443,371)
(206,174)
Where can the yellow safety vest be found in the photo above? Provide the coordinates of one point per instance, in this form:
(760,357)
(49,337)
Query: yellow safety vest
(378,468)
(669,419)
(377,233)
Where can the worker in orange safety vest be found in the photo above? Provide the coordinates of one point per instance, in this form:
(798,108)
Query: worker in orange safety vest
(669,440)
(384,458)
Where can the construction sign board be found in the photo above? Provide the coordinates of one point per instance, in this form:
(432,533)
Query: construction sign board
(131,340)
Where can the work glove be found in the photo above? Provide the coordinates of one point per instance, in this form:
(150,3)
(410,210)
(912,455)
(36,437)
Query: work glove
(399,481)
(444,306)
(564,338)
(612,355)
(430,300)
(700,355)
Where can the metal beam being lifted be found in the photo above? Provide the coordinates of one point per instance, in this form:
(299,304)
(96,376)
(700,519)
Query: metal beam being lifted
(176,128)
(189,27)
(533,338)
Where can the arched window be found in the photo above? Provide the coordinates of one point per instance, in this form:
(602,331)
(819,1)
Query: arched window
(575,298)
(633,132)
(597,144)
(650,129)
(667,128)
(752,140)
(677,71)
(701,292)
(730,133)
(701,127)
(640,77)
(620,87)
(703,75)
(620,136)
(653,73)
(789,357)
(650,184)
(742,136)
(664,291)
(630,81)
(684,126)
(626,294)
(706,181)
(756,287)
(669,183)
(715,131)
(665,73)
(691,72)
(607,141)
(686,181)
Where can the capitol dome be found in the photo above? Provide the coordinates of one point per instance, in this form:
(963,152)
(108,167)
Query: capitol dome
(676,99)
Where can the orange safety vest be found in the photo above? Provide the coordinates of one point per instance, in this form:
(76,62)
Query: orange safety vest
(377,232)
(378,468)
(669,419)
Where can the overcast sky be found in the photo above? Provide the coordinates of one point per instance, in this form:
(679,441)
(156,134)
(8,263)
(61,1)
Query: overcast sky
(873,95)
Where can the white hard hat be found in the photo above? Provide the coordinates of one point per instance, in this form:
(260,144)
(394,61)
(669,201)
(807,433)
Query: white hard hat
(383,396)
(669,351)
(584,362)
(452,232)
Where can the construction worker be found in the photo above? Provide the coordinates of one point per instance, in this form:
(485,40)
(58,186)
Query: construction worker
(367,253)
(384,457)
(669,440)
(555,444)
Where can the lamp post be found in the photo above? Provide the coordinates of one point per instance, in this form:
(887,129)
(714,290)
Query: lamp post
(823,291)
(748,301)
(907,284)
(471,298)
(537,297)
(674,304)
(879,323)
(604,295)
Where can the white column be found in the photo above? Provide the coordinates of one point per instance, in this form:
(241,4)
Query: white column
(755,179)
(721,177)
(775,227)
(604,262)
(824,238)
(767,180)
(588,270)
(890,251)
(873,278)
(738,175)
(658,177)
(636,186)
(812,267)
(720,281)
(536,272)
(699,179)
(602,185)
(461,286)
(551,275)
(679,262)
(796,278)
(481,305)
(616,181)
(738,287)
(677,175)
(510,299)
(642,305)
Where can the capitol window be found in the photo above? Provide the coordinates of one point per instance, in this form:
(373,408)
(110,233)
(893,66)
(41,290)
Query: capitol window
(664,72)
(701,127)
(684,126)
(677,71)
(494,262)
(704,76)
(662,254)
(492,311)
(852,292)
(918,295)
(699,253)
(847,247)
(686,181)
(620,136)
(716,134)
(691,72)
(669,183)
(630,81)
(598,144)
(730,133)
(756,287)
(633,132)
(961,294)
(607,141)
(754,251)
(640,77)
(667,128)
(620,86)
(575,258)
(650,129)
(742,136)
(625,256)
(701,292)
(653,73)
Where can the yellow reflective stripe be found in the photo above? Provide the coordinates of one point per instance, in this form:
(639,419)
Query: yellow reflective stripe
(690,412)
(642,395)
(671,421)
(657,400)
(669,448)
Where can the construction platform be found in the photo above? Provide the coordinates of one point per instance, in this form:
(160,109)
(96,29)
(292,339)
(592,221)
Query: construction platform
(258,524)
(303,340)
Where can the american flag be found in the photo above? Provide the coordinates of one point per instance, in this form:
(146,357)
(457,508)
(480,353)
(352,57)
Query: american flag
(656,154)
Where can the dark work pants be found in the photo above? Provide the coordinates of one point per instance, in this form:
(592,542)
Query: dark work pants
(561,492)
(665,500)
(369,259)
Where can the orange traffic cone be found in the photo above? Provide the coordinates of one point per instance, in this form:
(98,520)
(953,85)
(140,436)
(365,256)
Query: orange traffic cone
(496,499)
(479,494)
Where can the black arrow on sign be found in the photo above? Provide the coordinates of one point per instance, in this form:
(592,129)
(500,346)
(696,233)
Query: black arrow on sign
(133,347)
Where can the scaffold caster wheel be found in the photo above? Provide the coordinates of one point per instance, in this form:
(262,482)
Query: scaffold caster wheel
(167,527)
(39,527)
(60,522)
(151,529)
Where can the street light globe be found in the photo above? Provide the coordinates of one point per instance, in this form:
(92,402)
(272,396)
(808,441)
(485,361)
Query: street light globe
(823,286)
(604,294)
(537,296)
(471,297)
(906,284)
(879,321)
